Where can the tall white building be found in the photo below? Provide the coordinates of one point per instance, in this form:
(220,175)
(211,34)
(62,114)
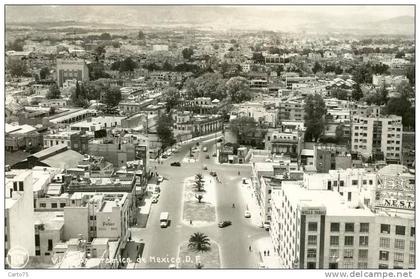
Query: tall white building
(19,212)
(319,228)
(381,135)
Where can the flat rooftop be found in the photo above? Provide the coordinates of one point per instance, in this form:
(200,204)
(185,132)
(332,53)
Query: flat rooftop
(332,201)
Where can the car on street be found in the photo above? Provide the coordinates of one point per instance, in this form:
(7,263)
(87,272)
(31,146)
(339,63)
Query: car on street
(164,219)
(247,214)
(220,140)
(205,167)
(172,266)
(267,226)
(213,173)
(157,189)
(164,156)
(155,199)
(207,156)
(205,148)
(224,224)
(160,178)
(175,164)
(214,155)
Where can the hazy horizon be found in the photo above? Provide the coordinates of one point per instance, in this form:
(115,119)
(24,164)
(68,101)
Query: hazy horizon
(287,18)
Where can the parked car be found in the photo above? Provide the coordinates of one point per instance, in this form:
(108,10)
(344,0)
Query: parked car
(160,178)
(224,224)
(213,173)
(172,266)
(175,164)
(267,226)
(157,189)
(205,167)
(214,155)
(164,156)
(155,199)
(220,140)
(207,156)
(205,149)
(247,214)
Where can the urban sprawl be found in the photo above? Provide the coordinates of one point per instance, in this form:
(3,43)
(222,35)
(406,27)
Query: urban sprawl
(189,148)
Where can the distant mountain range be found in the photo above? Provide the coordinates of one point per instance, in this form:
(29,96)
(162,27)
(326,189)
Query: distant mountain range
(296,19)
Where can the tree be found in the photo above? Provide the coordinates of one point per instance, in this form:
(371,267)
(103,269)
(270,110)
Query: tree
(238,89)
(53,92)
(164,131)
(379,96)
(100,52)
(97,71)
(339,93)
(187,53)
(199,186)
(356,93)
(243,125)
(199,177)
(199,242)
(128,65)
(317,68)
(315,111)
(17,67)
(399,54)
(172,97)
(112,97)
(16,45)
(140,35)
(44,72)
(208,85)
(199,198)
(105,36)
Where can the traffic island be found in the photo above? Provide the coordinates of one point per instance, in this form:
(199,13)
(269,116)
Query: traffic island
(190,258)
(199,211)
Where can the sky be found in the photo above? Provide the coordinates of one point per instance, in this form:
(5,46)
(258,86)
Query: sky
(266,17)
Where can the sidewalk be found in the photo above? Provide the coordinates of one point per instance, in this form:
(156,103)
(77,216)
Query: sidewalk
(270,260)
(251,202)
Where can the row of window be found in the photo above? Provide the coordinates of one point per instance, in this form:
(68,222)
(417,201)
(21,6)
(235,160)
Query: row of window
(399,230)
(348,240)
(53,205)
(335,227)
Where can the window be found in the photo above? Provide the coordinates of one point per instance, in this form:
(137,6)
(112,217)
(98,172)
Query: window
(334,240)
(349,227)
(311,265)
(363,254)
(334,254)
(412,245)
(398,257)
(312,240)
(335,227)
(37,240)
(43,205)
(362,265)
(37,253)
(311,253)
(354,182)
(363,240)
(348,253)
(348,265)
(400,230)
(348,240)
(399,244)
(384,242)
(20,185)
(383,255)
(15,187)
(312,226)
(385,228)
(364,227)
(341,183)
(50,244)
(412,259)
(413,231)
(62,204)
(54,205)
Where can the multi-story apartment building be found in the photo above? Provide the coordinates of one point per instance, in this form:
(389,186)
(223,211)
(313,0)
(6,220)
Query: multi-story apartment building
(284,141)
(319,229)
(56,137)
(379,137)
(71,69)
(260,113)
(292,110)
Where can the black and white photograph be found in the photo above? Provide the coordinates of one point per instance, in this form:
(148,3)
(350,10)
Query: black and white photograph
(210,136)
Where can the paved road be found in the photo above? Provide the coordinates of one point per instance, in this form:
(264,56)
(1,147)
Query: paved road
(233,240)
